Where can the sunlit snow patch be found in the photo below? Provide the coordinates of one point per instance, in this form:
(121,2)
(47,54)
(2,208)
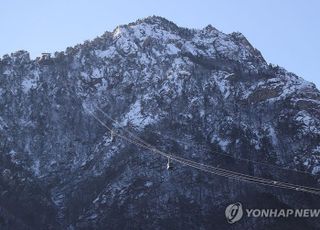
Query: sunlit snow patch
(136,118)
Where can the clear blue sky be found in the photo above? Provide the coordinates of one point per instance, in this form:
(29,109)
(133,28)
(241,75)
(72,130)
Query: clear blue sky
(287,32)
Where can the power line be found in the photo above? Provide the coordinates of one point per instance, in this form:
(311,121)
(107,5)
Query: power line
(153,148)
(212,151)
(237,158)
(211,169)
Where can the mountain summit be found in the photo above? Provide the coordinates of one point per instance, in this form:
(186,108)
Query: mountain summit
(199,94)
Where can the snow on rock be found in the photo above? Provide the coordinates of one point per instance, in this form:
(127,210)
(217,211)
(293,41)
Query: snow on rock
(3,124)
(96,73)
(223,84)
(189,47)
(307,123)
(148,184)
(28,84)
(223,143)
(172,49)
(273,135)
(144,30)
(136,117)
(36,168)
(109,53)
(30,81)
(316,170)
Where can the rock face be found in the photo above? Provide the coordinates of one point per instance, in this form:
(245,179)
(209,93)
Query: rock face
(200,94)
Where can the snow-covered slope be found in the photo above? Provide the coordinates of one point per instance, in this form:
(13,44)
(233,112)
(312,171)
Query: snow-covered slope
(200,94)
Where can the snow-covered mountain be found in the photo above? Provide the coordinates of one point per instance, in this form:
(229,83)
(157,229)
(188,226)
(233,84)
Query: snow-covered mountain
(197,93)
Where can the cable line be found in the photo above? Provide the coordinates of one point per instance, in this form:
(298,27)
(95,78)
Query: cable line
(223,154)
(176,158)
(212,151)
(207,168)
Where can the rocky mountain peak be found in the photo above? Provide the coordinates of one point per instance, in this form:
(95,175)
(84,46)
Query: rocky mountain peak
(165,38)
(155,20)
(200,94)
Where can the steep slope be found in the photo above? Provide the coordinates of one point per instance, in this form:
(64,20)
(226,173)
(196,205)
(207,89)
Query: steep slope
(200,94)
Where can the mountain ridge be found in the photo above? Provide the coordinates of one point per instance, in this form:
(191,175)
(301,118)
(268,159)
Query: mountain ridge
(195,93)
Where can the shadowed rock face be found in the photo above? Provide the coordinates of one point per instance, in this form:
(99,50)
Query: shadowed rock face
(200,94)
